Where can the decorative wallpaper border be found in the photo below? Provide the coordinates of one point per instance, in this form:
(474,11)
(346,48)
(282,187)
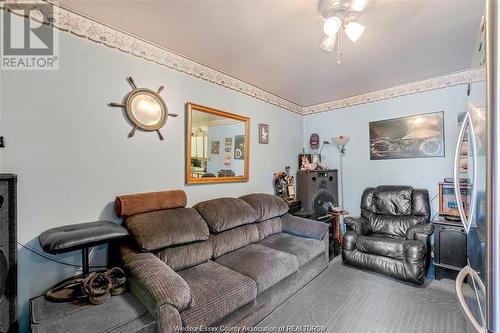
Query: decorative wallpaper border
(454,79)
(85,27)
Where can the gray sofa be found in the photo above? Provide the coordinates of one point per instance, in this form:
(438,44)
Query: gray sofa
(225,262)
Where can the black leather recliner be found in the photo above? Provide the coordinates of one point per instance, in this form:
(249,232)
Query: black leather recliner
(392,236)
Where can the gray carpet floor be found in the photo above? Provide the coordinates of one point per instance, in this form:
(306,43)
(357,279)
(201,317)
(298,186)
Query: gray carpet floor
(346,299)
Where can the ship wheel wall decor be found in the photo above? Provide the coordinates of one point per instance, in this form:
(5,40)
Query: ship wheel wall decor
(145,109)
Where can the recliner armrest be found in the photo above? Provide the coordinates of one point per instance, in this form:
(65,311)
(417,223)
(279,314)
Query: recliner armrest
(302,227)
(158,283)
(415,251)
(420,228)
(350,238)
(357,224)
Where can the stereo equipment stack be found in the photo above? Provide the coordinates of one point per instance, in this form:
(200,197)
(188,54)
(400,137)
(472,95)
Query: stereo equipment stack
(8,250)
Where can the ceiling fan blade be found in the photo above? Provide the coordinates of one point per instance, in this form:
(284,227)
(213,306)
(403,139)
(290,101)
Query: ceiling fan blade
(354,30)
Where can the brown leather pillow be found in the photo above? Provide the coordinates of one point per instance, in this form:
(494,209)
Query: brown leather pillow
(160,229)
(132,204)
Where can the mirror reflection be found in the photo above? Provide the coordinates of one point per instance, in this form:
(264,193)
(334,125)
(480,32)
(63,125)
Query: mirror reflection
(217,146)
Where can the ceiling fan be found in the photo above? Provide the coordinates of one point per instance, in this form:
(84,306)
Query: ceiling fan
(340,15)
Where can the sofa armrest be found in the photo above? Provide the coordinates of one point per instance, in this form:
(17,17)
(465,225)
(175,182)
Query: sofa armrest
(157,285)
(302,227)
(420,228)
(357,224)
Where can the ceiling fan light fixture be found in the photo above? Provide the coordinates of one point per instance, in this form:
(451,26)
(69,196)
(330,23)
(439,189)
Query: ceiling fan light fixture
(328,43)
(354,30)
(332,26)
(358,5)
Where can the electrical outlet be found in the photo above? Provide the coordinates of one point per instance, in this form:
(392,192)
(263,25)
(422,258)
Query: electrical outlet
(2,143)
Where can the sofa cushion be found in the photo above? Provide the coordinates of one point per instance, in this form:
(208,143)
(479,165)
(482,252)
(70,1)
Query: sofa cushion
(264,265)
(266,205)
(382,245)
(393,225)
(269,227)
(217,291)
(304,248)
(186,255)
(233,239)
(226,213)
(159,229)
(393,200)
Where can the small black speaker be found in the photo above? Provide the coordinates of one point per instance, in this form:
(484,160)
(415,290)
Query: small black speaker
(316,189)
(8,251)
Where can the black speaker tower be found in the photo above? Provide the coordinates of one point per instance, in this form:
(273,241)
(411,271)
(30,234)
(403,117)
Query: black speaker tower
(316,188)
(8,253)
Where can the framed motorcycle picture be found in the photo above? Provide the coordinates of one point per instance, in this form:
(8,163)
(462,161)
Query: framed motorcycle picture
(417,136)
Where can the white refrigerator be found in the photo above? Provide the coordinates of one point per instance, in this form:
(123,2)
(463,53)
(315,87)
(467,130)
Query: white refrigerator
(478,283)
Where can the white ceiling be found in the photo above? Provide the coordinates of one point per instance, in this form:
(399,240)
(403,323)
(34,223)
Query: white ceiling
(274,44)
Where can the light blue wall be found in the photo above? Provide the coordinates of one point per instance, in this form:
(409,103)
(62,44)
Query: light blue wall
(359,171)
(72,153)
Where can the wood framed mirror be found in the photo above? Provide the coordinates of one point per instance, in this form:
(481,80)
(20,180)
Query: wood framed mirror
(217,146)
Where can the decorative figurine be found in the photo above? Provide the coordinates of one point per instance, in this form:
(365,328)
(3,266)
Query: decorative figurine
(314,141)
(290,185)
(279,184)
(283,184)
(316,163)
(306,165)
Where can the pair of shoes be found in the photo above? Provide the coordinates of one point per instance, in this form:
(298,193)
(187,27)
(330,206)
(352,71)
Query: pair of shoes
(118,279)
(97,287)
(67,290)
(100,286)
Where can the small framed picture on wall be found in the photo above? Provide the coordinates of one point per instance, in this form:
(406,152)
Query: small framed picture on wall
(215,147)
(264,133)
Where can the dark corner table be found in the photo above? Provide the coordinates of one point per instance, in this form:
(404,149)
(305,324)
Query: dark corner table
(450,247)
(335,238)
